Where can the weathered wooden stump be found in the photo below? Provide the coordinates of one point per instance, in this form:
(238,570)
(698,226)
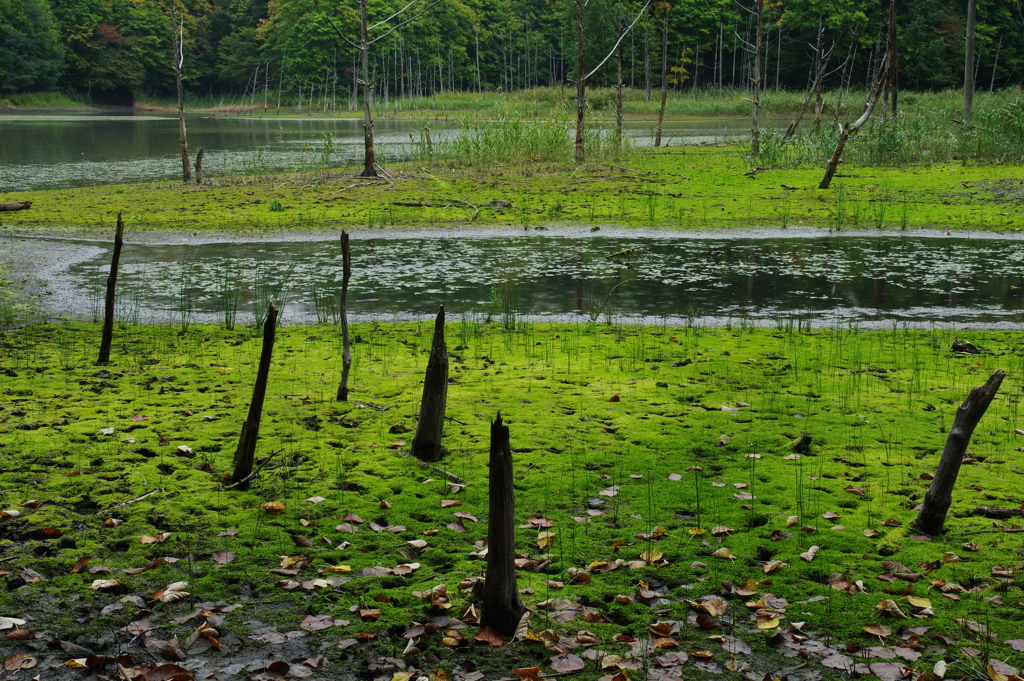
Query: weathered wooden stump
(932,516)
(501,607)
(426,446)
(246,451)
(107,337)
(346,357)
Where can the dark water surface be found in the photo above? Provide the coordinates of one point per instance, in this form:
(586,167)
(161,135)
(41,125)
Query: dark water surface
(566,274)
(41,151)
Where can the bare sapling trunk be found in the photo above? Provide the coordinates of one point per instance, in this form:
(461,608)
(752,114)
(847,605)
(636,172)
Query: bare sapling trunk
(107,338)
(892,87)
(818,69)
(664,79)
(618,98)
(246,451)
(845,132)
(426,446)
(501,607)
(179,60)
(346,342)
(755,125)
(972,11)
(369,153)
(199,165)
(581,85)
(932,517)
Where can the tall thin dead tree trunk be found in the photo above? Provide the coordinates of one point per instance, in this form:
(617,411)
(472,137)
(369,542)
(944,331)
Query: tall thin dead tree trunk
(647,57)
(346,353)
(815,84)
(755,131)
(892,61)
(369,152)
(501,607)
(179,61)
(937,499)
(581,85)
(107,337)
(664,78)
(245,453)
(426,446)
(972,11)
(618,97)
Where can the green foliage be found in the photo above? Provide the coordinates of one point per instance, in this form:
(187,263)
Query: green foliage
(31,55)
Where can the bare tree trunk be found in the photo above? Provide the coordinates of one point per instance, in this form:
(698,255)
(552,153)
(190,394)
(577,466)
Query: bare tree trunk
(995,65)
(618,98)
(501,606)
(179,60)
(892,53)
(755,131)
(939,496)
(426,446)
(369,153)
(107,338)
(581,85)
(346,356)
(843,77)
(846,132)
(972,11)
(246,451)
(199,165)
(664,79)
(818,70)
(647,56)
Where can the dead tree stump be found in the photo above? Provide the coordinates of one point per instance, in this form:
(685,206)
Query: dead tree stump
(501,607)
(932,516)
(108,307)
(346,357)
(246,451)
(199,165)
(426,446)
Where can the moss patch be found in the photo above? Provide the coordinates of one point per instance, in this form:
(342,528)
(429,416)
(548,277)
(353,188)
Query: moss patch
(608,424)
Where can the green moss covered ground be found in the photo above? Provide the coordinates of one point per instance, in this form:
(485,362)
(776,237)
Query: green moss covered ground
(680,187)
(640,454)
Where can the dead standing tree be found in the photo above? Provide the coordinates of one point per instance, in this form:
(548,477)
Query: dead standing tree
(107,338)
(362,46)
(178,33)
(939,496)
(582,75)
(501,607)
(246,451)
(346,343)
(755,79)
(426,446)
(849,130)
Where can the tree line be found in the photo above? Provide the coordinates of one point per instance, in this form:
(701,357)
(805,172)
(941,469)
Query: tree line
(264,50)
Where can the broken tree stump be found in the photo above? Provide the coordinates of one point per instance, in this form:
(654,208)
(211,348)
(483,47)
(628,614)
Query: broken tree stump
(346,356)
(426,446)
(15,205)
(501,607)
(199,165)
(246,451)
(937,500)
(107,337)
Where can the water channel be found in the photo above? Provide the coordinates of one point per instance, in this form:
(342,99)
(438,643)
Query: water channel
(42,151)
(614,275)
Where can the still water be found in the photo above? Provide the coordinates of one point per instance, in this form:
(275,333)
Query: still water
(565,275)
(42,151)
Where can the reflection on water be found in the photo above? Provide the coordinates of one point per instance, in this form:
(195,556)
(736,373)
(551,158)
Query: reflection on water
(46,151)
(647,277)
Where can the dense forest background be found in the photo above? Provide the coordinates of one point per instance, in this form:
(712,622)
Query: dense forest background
(114,50)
